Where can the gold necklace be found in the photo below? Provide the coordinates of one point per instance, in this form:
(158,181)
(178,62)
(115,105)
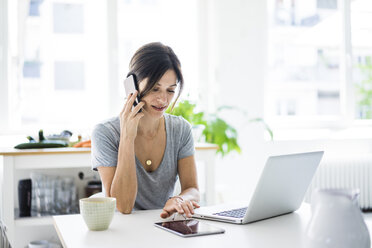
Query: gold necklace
(149,161)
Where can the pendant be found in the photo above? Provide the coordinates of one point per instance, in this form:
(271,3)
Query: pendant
(148,162)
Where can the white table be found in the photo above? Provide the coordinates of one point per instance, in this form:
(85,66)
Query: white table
(18,164)
(137,230)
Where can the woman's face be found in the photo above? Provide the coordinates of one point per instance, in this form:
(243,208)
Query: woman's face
(159,98)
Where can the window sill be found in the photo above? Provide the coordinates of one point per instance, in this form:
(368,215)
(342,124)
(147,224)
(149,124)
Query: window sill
(358,132)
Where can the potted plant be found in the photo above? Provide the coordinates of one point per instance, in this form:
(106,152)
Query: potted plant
(215,129)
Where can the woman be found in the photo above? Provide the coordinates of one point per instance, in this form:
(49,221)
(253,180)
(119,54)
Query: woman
(140,154)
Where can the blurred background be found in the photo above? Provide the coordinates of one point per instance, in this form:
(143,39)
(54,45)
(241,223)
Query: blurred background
(301,68)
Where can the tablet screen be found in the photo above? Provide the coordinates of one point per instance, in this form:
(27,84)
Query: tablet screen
(188,228)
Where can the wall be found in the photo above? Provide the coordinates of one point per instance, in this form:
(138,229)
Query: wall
(239,52)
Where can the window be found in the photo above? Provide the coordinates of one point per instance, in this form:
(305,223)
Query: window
(361,41)
(61,65)
(319,57)
(68,58)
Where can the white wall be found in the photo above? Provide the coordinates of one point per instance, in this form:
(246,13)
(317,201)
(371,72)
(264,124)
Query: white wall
(240,59)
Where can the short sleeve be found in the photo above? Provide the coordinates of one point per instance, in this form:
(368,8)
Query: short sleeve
(104,150)
(187,142)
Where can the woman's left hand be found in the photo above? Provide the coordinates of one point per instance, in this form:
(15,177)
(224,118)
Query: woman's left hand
(178,205)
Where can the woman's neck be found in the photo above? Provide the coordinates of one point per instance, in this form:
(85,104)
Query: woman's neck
(149,127)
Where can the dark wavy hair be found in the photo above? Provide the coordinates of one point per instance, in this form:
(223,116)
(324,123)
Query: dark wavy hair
(151,61)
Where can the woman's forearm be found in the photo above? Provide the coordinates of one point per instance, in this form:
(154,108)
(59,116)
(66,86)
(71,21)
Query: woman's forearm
(124,183)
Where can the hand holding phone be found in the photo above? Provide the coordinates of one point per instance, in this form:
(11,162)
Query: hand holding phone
(130,114)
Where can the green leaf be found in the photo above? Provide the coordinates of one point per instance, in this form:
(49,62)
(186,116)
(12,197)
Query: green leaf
(217,130)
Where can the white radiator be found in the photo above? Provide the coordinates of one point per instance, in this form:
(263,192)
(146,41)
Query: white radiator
(345,172)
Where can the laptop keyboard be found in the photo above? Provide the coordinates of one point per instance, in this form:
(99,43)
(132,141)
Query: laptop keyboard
(234,213)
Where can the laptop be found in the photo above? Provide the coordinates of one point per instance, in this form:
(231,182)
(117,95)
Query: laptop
(280,190)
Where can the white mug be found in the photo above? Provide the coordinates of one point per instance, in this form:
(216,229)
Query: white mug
(38,244)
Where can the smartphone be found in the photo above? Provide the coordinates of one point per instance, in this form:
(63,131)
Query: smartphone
(189,228)
(131,85)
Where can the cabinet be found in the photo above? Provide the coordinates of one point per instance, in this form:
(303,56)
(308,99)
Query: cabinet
(18,164)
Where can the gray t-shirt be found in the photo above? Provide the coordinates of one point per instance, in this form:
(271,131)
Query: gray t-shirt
(154,188)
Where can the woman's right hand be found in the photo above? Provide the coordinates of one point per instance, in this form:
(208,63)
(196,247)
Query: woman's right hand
(129,118)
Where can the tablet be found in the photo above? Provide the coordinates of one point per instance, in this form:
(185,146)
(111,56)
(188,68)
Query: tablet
(189,228)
